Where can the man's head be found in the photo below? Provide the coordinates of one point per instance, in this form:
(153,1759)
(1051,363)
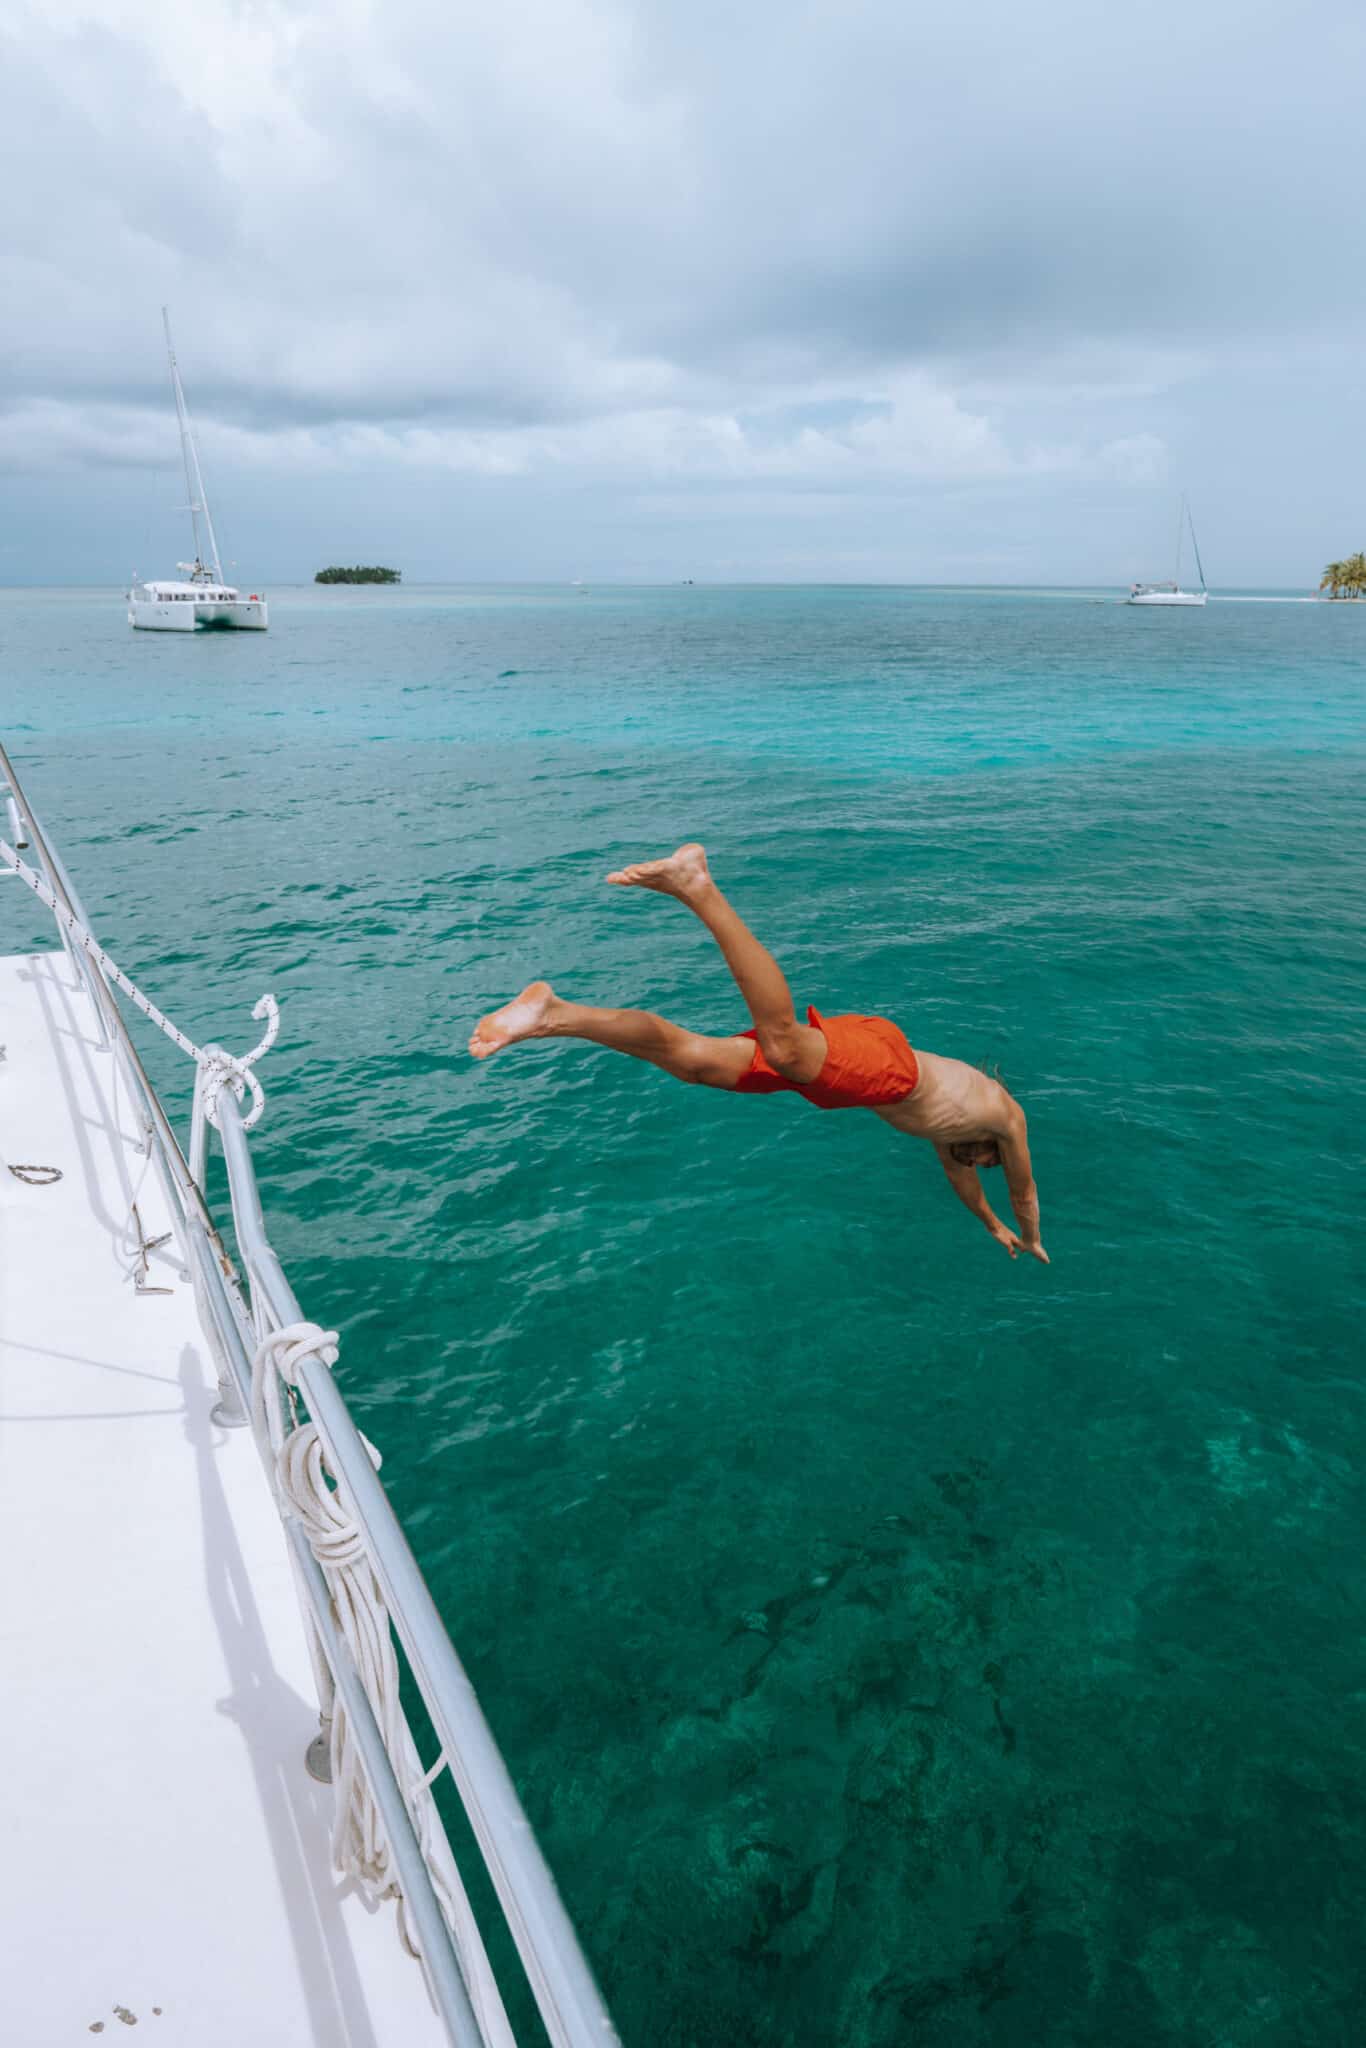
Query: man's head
(976,1152)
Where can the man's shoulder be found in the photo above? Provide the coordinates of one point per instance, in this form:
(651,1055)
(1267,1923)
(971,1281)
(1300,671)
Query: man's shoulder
(1011,1114)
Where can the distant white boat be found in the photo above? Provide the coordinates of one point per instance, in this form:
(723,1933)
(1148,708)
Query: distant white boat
(1172,593)
(205,599)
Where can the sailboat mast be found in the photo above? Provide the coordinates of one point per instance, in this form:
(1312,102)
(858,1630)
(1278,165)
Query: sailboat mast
(1196,545)
(194,481)
(1180,534)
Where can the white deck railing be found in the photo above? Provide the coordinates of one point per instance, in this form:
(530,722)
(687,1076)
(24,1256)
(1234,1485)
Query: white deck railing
(235,1321)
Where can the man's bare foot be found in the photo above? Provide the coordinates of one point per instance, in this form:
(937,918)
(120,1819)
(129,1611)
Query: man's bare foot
(683,874)
(526,1016)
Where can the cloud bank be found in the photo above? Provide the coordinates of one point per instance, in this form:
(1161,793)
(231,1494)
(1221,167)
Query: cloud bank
(867,249)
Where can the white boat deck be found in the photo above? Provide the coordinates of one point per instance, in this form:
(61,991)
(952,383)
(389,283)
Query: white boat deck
(165,1851)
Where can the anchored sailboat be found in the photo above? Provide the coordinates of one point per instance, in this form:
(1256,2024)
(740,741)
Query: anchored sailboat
(205,600)
(1172,593)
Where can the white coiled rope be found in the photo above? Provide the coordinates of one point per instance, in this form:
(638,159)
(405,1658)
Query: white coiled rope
(360,1847)
(217,1069)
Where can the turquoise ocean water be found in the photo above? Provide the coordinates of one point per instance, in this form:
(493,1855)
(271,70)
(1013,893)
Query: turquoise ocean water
(893,1645)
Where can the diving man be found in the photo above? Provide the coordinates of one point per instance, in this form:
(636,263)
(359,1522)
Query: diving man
(835,1062)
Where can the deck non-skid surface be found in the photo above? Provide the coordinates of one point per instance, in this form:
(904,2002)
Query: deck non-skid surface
(164,1851)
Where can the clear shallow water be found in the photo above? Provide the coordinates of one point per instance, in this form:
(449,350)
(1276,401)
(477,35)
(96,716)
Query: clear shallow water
(893,1645)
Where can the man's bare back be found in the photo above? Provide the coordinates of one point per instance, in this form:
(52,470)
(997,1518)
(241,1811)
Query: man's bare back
(835,1062)
(954,1103)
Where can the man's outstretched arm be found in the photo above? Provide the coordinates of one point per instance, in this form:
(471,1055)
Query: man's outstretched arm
(1013,1145)
(970,1192)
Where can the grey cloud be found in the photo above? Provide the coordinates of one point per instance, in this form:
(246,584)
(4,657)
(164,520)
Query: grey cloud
(837,247)
(516,224)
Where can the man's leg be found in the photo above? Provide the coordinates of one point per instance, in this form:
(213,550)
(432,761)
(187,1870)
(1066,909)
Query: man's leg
(689,1056)
(796,1051)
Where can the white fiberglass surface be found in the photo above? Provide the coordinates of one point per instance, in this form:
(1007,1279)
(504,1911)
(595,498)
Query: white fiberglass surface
(167,1853)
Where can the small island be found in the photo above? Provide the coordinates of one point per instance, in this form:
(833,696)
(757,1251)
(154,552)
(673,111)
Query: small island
(359,575)
(1346,578)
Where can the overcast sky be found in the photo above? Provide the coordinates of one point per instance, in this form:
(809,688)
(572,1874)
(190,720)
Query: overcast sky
(646,289)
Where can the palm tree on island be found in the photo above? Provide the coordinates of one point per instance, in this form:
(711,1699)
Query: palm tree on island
(1346,578)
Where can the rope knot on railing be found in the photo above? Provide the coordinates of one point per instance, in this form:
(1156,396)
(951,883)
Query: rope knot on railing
(287,1348)
(278,1357)
(220,1069)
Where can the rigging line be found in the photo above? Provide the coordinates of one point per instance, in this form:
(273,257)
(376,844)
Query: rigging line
(194,476)
(1196,545)
(220,1069)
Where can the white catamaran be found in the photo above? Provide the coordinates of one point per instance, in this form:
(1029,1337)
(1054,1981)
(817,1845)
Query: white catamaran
(208,1601)
(1172,593)
(205,600)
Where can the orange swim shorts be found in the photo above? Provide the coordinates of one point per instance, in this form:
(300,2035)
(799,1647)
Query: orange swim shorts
(868,1064)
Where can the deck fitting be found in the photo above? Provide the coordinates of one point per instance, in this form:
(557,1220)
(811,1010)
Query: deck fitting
(318,1755)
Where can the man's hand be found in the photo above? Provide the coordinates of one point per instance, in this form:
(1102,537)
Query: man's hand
(1015,1245)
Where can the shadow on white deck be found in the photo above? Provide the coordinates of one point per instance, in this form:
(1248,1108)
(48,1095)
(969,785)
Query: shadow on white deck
(164,1846)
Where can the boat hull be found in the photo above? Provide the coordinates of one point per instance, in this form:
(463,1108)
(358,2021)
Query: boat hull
(243,615)
(1169,597)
